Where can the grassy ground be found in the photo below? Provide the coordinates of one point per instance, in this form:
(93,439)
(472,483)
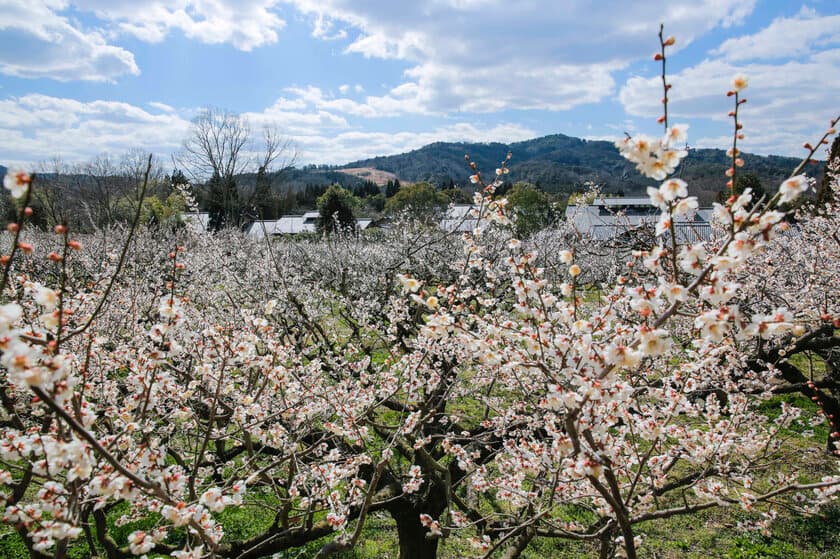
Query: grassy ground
(711,534)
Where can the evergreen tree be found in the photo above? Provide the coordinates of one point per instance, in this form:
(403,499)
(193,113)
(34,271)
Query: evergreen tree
(744,181)
(223,203)
(178,178)
(392,188)
(457,196)
(421,201)
(369,188)
(503,189)
(307,196)
(264,201)
(214,203)
(532,208)
(336,209)
(376,203)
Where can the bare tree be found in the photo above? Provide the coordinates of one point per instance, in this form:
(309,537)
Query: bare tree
(50,200)
(108,186)
(101,171)
(218,149)
(277,156)
(278,152)
(97,193)
(216,144)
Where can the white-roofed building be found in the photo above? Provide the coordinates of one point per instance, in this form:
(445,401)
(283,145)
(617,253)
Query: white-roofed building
(458,218)
(261,229)
(611,218)
(197,221)
(294,225)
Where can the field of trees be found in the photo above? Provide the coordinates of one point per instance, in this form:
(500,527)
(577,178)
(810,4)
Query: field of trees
(513,391)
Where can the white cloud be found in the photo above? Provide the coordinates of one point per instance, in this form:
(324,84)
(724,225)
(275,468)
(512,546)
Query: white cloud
(436,90)
(399,101)
(245,24)
(779,115)
(474,56)
(42,43)
(40,127)
(47,43)
(324,29)
(486,55)
(161,106)
(784,38)
(294,123)
(467,55)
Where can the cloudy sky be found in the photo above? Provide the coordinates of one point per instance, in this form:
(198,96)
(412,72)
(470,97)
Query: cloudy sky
(346,79)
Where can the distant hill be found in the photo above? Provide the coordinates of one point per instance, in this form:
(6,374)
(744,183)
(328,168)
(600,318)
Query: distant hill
(297,178)
(558,164)
(562,164)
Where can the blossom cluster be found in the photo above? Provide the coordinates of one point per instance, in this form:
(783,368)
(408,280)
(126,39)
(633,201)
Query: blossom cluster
(655,157)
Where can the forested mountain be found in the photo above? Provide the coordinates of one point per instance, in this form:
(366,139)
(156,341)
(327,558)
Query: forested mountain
(562,164)
(297,178)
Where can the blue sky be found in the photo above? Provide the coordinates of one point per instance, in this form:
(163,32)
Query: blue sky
(348,79)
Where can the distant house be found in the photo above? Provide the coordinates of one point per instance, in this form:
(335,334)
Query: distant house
(613,218)
(294,225)
(197,221)
(458,218)
(260,228)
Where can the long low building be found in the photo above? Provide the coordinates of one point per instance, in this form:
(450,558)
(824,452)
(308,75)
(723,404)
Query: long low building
(613,218)
(293,225)
(459,218)
(197,221)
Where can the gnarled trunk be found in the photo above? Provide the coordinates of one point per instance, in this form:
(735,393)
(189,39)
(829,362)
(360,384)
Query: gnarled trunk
(412,536)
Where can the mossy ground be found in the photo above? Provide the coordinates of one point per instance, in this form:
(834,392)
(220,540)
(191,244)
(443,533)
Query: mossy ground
(707,535)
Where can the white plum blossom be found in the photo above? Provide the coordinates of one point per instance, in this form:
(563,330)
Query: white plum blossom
(139,542)
(17,182)
(46,297)
(415,480)
(408,283)
(10,313)
(655,157)
(673,189)
(740,83)
(792,188)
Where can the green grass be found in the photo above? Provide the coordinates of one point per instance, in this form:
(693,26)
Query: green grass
(10,545)
(708,535)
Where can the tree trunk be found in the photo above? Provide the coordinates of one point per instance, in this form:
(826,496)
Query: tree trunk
(606,547)
(831,409)
(412,536)
(629,541)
